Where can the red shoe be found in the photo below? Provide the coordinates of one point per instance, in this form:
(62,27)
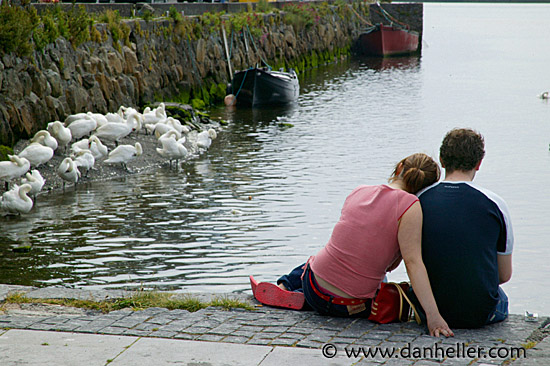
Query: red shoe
(253,284)
(270,294)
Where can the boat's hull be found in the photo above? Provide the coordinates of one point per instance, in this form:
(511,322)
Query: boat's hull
(258,87)
(384,40)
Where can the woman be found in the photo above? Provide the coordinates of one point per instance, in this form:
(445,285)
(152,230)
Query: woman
(379,226)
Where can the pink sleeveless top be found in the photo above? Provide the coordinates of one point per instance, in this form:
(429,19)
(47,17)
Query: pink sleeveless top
(364,242)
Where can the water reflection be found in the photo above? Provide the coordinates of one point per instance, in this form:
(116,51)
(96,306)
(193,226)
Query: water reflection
(390,63)
(260,115)
(266,195)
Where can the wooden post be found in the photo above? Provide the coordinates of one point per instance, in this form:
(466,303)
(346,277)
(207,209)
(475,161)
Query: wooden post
(245,43)
(227,53)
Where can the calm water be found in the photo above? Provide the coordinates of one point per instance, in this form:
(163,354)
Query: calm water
(265,196)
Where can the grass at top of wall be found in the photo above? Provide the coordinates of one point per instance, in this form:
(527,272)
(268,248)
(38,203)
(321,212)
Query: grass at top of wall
(138,300)
(22,29)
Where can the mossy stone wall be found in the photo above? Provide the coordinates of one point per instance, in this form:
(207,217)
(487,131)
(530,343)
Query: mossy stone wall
(157,63)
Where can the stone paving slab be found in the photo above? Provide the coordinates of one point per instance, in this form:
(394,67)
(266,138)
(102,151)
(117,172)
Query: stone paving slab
(285,356)
(306,331)
(539,355)
(23,347)
(71,293)
(7,289)
(151,351)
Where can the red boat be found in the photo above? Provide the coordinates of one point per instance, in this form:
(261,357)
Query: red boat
(387,40)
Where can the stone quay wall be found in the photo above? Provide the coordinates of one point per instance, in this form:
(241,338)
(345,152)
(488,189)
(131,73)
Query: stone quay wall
(157,65)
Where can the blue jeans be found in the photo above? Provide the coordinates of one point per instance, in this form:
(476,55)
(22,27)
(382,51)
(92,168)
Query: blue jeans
(501,311)
(294,282)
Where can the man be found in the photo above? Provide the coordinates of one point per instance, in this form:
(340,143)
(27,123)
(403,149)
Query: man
(467,237)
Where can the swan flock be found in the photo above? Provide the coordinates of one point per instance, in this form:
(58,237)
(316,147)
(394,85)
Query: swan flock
(87,142)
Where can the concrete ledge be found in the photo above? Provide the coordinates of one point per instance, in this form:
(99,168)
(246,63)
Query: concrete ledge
(289,337)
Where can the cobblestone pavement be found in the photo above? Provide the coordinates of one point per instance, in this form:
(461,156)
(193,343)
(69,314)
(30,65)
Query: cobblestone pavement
(505,343)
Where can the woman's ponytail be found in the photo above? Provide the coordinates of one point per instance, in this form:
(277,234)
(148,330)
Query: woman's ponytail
(417,171)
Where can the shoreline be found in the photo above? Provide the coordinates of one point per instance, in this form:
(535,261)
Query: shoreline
(148,161)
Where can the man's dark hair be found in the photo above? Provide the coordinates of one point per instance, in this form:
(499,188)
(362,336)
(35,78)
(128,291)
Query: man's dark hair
(461,149)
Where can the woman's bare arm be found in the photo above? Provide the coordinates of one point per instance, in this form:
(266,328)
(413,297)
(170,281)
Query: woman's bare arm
(410,241)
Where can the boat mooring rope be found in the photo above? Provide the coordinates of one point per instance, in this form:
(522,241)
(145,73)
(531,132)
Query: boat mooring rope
(242,83)
(360,17)
(256,48)
(390,18)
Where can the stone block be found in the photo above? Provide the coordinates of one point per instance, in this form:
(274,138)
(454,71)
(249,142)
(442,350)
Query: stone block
(61,349)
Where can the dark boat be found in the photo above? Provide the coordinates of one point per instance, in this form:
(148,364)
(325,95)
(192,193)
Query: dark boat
(262,86)
(388,40)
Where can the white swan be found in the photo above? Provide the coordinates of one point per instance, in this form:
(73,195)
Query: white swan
(115,117)
(126,111)
(177,136)
(35,180)
(138,120)
(204,139)
(13,168)
(175,123)
(80,145)
(36,153)
(73,117)
(99,118)
(172,149)
(161,129)
(16,200)
(68,171)
(150,127)
(124,153)
(97,148)
(61,133)
(84,160)
(43,137)
(114,131)
(154,116)
(82,127)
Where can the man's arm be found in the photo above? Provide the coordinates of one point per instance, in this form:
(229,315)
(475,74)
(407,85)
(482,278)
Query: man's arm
(504,267)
